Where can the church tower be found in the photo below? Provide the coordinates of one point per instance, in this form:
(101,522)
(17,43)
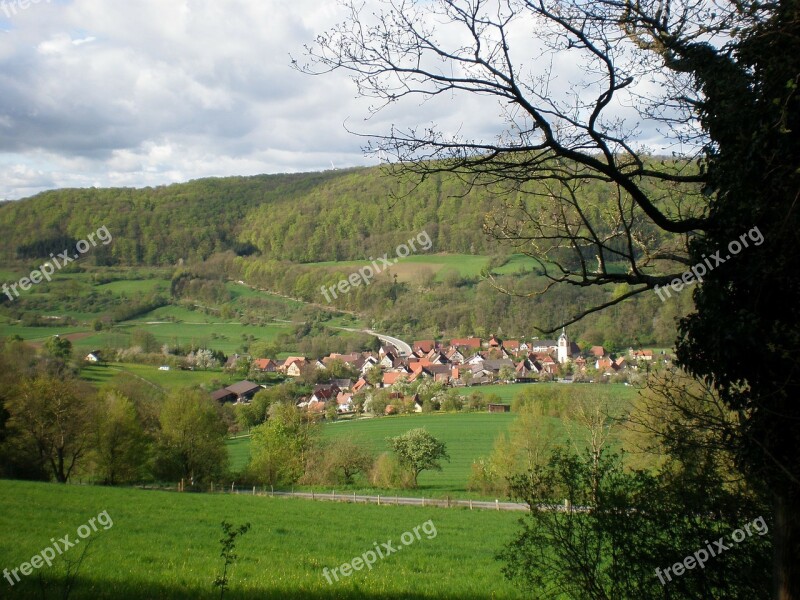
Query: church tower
(563,347)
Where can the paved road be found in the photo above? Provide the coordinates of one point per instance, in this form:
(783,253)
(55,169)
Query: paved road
(402,347)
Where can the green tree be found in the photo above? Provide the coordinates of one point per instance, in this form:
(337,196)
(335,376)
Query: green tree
(597,548)
(281,447)
(374,376)
(417,450)
(192,440)
(258,410)
(59,348)
(346,458)
(145,340)
(644,518)
(506,373)
(121,448)
(338,369)
(56,417)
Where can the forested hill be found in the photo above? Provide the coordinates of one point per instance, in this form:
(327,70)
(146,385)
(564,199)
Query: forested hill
(333,215)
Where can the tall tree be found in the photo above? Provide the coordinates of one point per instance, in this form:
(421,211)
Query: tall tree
(192,437)
(718,81)
(121,447)
(56,416)
(282,446)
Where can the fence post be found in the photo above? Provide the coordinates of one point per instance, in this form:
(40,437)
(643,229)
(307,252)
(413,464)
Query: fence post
(354,497)
(497,503)
(379,499)
(470,503)
(271,491)
(254,490)
(334,495)
(232,484)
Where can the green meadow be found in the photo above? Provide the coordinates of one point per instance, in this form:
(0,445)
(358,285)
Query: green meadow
(227,337)
(165,545)
(165,380)
(508,392)
(466,265)
(468,436)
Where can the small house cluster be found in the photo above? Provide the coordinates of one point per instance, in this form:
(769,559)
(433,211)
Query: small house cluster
(458,362)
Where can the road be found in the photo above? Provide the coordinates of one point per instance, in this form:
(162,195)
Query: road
(402,347)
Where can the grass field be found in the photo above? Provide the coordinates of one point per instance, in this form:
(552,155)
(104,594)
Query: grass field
(517,263)
(36,334)
(508,392)
(135,286)
(219,336)
(170,324)
(467,435)
(165,545)
(166,380)
(467,265)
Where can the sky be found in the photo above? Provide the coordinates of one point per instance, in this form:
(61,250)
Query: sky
(150,92)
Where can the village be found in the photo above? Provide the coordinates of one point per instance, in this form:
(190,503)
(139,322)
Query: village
(459,363)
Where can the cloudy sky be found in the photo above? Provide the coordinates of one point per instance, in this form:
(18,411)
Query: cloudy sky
(95,92)
(147,92)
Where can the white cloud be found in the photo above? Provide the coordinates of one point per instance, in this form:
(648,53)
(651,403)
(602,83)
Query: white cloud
(156,91)
(153,91)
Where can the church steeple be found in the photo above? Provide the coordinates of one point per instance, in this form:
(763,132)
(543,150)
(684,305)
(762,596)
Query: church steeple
(563,347)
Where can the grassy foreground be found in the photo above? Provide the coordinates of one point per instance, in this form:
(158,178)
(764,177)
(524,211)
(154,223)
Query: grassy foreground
(165,545)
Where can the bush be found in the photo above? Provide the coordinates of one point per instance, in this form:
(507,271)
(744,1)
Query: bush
(453,402)
(484,478)
(388,474)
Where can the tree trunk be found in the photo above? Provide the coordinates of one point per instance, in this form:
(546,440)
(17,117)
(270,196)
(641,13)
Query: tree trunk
(786,573)
(61,477)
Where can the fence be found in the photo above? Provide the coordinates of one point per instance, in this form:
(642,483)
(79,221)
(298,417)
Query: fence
(379,500)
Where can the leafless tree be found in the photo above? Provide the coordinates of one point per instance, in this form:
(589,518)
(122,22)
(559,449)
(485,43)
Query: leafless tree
(643,56)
